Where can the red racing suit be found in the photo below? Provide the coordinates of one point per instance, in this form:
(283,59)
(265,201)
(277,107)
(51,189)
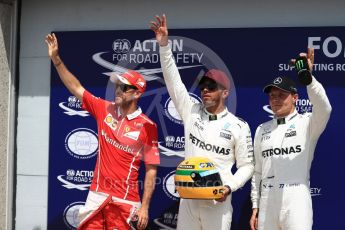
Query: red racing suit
(123,143)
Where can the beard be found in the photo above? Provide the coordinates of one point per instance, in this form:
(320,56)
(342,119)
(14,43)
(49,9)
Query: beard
(209,103)
(123,101)
(118,101)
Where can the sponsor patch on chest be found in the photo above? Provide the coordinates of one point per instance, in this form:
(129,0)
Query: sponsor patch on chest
(291,131)
(111,122)
(199,126)
(134,135)
(291,134)
(225,135)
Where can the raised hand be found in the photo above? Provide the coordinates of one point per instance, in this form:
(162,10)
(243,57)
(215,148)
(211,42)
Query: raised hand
(309,56)
(52,43)
(53,48)
(304,66)
(159,26)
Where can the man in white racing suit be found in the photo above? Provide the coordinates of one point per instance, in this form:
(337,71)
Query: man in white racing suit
(284,149)
(210,131)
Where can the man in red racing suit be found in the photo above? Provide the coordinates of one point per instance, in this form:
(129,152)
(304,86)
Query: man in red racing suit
(126,136)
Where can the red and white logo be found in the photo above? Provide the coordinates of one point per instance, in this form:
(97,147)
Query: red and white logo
(111,122)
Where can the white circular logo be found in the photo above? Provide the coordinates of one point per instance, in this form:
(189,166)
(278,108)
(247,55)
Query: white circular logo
(82,143)
(70,214)
(72,99)
(121,46)
(278,80)
(169,139)
(74,102)
(169,186)
(70,172)
(170,109)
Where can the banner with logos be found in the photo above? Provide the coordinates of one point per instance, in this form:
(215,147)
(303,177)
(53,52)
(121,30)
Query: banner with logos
(251,57)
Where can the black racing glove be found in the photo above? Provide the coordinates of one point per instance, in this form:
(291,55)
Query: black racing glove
(303,71)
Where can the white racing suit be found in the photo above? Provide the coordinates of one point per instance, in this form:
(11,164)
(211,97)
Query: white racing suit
(283,155)
(225,141)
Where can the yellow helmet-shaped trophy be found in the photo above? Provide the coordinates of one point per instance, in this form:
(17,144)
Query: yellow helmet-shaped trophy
(198,178)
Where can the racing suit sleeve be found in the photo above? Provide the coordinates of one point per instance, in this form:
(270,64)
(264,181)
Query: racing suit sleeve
(256,179)
(244,159)
(92,104)
(151,152)
(177,90)
(321,108)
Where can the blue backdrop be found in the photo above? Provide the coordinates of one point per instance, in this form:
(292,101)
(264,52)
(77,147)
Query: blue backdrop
(252,56)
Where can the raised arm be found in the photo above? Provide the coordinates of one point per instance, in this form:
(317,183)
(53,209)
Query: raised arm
(160,27)
(69,80)
(316,93)
(177,90)
(321,107)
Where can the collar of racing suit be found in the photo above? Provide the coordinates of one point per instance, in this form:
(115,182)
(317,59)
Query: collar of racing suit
(132,115)
(282,120)
(220,115)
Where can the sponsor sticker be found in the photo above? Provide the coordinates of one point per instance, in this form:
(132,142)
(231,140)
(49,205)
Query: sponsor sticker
(225,135)
(111,122)
(132,135)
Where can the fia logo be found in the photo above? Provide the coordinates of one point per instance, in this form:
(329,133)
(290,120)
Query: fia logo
(76,179)
(121,46)
(73,107)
